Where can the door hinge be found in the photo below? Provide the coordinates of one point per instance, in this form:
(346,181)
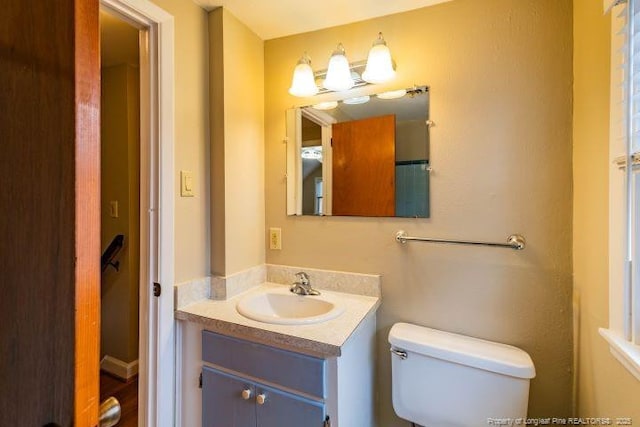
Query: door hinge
(200,381)
(157,289)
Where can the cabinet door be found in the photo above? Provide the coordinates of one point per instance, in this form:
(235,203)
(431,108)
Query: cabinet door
(282,409)
(223,403)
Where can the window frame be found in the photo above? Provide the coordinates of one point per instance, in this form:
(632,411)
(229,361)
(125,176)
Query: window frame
(623,334)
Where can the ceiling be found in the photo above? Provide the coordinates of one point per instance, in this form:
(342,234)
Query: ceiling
(271,19)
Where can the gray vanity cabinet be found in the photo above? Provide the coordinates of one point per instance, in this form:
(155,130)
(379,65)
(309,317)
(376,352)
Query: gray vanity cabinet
(222,401)
(287,409)
(245,384)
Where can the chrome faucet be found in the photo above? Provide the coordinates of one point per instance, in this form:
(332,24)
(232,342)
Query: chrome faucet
(303,286)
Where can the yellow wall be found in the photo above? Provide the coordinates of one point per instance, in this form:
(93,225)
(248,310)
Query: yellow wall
(120,182)
(237,145)
(500,73)
(133,113)
(191,137)
(605,388)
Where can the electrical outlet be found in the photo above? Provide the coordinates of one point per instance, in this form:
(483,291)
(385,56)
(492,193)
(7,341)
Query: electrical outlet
(275,238)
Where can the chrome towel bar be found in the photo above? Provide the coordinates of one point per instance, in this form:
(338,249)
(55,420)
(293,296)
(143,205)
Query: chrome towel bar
(515,241)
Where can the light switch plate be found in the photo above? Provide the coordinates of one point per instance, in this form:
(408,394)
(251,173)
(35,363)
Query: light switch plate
(113,209)
(186,184)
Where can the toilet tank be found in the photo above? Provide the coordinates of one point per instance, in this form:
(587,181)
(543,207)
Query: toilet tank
(451,380)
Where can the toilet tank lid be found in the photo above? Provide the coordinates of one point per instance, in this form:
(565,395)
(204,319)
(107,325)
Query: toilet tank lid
(487,355)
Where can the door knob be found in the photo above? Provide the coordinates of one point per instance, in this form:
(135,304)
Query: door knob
(246,394)
(110,412)
(261,398)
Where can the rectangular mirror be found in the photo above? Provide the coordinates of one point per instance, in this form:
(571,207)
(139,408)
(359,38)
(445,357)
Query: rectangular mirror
(364,156)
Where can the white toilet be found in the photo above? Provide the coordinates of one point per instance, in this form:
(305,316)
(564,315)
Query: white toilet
(442,379)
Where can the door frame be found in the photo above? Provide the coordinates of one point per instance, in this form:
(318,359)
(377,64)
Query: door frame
(325,121)
(156,393)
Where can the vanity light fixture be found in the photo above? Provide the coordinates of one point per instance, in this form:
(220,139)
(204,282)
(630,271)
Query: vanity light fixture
(392,94)
(338,73)
(357,100)
(312,153)
(379,67)
(303,82)
(328,105)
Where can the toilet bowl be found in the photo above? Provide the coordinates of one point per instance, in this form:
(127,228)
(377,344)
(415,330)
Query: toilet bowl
(441,379)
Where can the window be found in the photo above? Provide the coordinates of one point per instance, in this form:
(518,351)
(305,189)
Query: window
(623,333)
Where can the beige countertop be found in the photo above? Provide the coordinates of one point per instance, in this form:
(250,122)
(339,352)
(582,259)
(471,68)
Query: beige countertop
(323,339)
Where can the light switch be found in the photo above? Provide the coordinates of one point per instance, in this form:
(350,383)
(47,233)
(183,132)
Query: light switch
(186,184)
(113,209)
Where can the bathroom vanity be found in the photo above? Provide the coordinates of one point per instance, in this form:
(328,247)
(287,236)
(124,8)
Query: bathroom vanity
(270,387)
(239,372)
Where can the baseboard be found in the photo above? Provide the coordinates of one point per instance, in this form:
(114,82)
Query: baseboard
(118,368)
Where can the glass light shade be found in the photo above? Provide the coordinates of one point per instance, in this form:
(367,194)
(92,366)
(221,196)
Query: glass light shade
(312,153)
(379,67)
(392,94)
(328,105)
(303,82)
(338,73)
(357,100)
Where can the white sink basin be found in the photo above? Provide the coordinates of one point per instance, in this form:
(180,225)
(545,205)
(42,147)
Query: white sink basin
(285,308)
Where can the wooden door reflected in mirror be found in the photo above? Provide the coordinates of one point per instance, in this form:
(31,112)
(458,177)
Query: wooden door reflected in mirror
(364,175)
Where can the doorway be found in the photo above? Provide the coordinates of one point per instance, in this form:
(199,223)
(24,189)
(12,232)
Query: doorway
(156,351)
(120,214)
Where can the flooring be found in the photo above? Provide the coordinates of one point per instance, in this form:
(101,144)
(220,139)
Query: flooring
(127,395)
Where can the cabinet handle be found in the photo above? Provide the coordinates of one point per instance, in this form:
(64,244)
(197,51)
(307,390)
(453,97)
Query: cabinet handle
(246,394)
(261,398)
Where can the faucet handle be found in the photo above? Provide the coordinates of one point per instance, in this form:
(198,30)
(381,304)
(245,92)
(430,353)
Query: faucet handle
(304,277)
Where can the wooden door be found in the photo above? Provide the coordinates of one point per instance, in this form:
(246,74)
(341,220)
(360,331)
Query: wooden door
(49,227)
(364,156)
